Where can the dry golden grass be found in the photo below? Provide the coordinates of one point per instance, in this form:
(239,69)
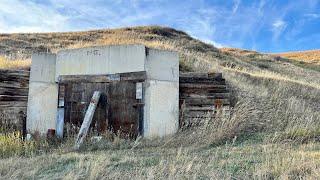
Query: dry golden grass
(239,52)
(14,64)
(312,56)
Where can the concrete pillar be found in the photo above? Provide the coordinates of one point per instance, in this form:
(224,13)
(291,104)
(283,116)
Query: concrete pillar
(161,110)
(43,94)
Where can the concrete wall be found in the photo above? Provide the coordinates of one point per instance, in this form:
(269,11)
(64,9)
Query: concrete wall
(161,115)
(43,94)
(101,60)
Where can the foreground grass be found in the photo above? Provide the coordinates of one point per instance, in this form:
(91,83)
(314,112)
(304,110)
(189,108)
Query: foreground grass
(246,160)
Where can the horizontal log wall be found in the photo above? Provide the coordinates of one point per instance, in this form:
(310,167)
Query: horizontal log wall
(201,96)
(13,99)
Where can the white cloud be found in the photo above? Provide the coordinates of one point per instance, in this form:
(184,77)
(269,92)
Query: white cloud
(278,26)
(312,15)
(26,16)
(235,7)
(214,43)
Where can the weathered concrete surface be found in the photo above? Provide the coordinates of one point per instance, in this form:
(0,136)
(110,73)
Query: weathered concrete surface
(42,107)
(161,108)
(101,60)
(43,67)
(162,65)
(43,94)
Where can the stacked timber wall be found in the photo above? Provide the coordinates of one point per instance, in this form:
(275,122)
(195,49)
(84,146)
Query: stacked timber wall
(202,96)
(13,99)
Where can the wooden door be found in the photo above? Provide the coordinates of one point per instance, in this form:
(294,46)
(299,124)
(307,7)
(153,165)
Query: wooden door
(123,110)
(77,98)
(117,109)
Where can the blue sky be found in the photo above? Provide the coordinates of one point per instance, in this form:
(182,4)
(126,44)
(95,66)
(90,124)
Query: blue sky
(262,25)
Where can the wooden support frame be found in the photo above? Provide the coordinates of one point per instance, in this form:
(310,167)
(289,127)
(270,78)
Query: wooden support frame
(106,78)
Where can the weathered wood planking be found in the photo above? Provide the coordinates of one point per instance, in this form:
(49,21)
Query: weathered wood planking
(118,109)
(201,96)
(124,113)
(13,98)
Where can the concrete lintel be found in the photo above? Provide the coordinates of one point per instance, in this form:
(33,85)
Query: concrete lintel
(101,60)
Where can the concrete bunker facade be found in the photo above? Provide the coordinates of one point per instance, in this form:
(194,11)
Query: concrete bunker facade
(157,93)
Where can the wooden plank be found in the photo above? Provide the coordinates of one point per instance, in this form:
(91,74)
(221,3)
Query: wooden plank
(13,98)
(200,75)
(209,92)
(202,86)
(197,108)
(202,80)
(184,95)
(87,119)
(10,72)
(14,84)
(14,91)
(87,78)
(205,101)
(134,76)
(13,104)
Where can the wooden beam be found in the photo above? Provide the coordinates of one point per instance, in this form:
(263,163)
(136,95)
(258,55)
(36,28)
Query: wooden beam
(13,98)
(205,101)
(87,119)
(132,76)
(12,73)
(14,91)
(202,86)
(9,104)
(200,75)
(184,95)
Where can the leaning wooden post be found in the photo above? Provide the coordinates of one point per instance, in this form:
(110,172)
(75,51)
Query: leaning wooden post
(87,119)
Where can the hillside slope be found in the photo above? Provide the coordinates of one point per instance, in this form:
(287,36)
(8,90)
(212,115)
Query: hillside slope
(271,87)
(274,101)
(311,56)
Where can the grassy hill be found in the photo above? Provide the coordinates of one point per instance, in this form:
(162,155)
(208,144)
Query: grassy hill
(273,132)
(312,56)
(307,59)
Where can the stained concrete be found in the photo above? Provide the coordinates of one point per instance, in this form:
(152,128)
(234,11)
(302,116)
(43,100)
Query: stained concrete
(101,60)
(161,93)
(42,107)
(162,65)
(43,94)
(43,67)
(161,108)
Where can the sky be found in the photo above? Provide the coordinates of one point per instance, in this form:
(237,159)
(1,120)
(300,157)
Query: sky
(261,25)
